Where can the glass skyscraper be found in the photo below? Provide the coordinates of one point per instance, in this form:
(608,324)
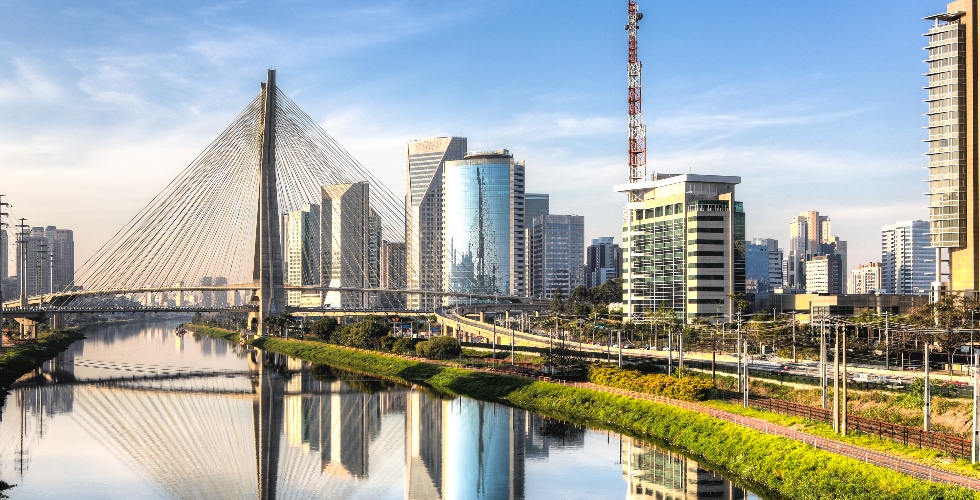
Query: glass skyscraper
(483,224)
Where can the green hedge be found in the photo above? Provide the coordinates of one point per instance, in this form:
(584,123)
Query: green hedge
(785,467)
(686,387)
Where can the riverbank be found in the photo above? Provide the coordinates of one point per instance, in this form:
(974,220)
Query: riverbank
(782,466)
(19,360)
(213,332)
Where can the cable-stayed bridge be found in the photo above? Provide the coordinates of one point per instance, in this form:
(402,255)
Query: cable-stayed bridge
(273,213)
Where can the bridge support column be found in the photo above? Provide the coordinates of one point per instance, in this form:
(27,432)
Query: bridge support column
(483,317)
(58,321)
(28,327)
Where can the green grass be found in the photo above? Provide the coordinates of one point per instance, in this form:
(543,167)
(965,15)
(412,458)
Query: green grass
(214,332)
(18,360)
(926,456)
(781,466)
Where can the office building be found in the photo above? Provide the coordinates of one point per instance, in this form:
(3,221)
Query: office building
(535,204)
(907,261)
(301,245)
(49,256)
(603,261)
(483,224)
(424,162)
(811,235)
(763,266)
(953,211)
(348,228)
(865,279)
(393,274)
(824,274)
(555,250)
(683,245)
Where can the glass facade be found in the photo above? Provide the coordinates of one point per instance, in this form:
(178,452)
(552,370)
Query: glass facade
(481,231)
(947,133)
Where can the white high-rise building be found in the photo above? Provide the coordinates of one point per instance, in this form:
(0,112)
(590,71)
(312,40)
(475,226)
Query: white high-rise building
(810,235)
(301,246)
(49,256)
(865,279)
(348,228)
(907,261)
(424,163)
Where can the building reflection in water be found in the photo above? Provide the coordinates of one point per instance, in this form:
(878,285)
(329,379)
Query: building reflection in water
(652,472)
(288,429)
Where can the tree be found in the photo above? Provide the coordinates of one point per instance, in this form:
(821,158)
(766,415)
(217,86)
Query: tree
(364,334)
(951,320)
(324,328)
(439,347)
(558,302)
(280,322)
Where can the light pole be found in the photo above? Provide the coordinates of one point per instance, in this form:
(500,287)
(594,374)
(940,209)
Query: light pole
(3,254)
(22,261)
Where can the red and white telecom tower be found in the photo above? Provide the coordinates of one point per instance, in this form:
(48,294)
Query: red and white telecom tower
(637,132)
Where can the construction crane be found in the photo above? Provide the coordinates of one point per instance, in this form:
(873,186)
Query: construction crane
(637,132)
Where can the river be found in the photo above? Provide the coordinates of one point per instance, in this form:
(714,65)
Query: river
(135,412)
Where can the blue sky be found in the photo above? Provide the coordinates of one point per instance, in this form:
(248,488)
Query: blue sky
(816,105)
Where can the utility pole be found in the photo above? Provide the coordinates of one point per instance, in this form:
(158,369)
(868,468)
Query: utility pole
(3,254)
(837,379)
(22,260)
(738,350)
(680,349)
(926,394)
(745,386)
(494,341)
(843,423)
(619,339)
(823,363)
(976,402)
(794,337)
(886,341)
(670,350)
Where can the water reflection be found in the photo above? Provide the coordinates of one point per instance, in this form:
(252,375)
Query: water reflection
(213,420)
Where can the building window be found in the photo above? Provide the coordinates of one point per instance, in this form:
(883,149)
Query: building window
(705,301)
(705,253)
(706,265)
(700,241)
(706,289)
(706,230)
(706,277)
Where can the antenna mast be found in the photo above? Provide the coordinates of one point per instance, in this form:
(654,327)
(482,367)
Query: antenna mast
(637,132)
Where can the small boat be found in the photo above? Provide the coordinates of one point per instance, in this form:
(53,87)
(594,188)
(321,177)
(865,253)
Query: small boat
(180,330)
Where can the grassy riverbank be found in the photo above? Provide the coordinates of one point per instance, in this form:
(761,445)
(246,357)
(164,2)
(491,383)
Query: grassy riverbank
(785,467)
(18,360)
(213,332)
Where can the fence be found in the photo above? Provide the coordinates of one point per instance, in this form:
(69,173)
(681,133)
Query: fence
(909,436)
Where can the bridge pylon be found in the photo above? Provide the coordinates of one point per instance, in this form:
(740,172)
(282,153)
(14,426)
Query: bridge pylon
(268,269)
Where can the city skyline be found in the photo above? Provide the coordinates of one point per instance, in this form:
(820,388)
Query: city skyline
(89,102)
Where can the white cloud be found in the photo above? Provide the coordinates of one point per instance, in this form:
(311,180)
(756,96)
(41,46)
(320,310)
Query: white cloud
(28,84)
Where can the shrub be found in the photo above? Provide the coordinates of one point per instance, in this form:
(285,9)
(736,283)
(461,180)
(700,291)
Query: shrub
(387,342)
(686,387)
(438,348)
(363,334)
(404,345)
(324,328)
